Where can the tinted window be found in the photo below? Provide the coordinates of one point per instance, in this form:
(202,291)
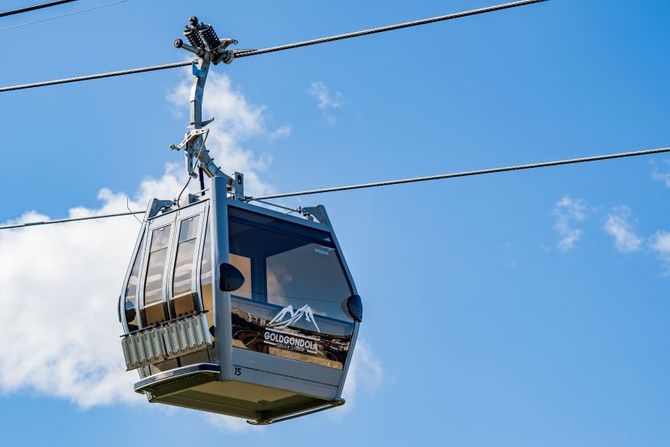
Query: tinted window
(289,264)
(183,267)
(153,287)
(206,278)
(130,293)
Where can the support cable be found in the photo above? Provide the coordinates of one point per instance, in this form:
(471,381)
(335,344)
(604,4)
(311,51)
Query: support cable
(72,219)
(545,164)
(282,207)
(67,14)
(245,53)
(262,199)
(382,29)
(34,7)
(110,74)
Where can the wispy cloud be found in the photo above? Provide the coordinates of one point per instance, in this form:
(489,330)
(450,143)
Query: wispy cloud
(229,424)
(662,176)
(619,226)
(326,101)
(281,132)
(568,212)
(660,244)
(365,373)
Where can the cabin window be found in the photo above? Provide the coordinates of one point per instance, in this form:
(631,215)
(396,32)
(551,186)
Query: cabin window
(183,295)
(243,264)
(206,278)
(130,294)
(183,267)
(308,274)
(153,287)
(288,264)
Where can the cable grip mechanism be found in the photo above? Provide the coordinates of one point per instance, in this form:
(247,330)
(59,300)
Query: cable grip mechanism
(204,43)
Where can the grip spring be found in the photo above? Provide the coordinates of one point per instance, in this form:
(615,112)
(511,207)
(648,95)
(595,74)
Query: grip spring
(209,36)
(194,37)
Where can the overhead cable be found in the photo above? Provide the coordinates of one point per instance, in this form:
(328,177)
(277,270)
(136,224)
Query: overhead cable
(381,29)
(282,207)
(78,11)
(110,74)
(72,219)
(262,199)
(34,7)
(544,164)
(246,53)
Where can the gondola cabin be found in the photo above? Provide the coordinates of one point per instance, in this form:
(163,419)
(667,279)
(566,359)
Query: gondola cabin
(236,309)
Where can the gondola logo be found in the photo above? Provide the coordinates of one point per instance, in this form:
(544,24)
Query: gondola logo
(278,331)
(288,317)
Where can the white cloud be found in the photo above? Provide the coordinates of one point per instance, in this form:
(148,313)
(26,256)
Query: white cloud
(618,226)
(59,287)
(662,176)
(567,213)
(230,424)
(660,243)
(281,132)
(365,372)
(324,99)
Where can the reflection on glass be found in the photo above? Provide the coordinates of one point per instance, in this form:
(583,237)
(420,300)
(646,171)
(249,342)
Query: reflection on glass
(156,264)
(130,294)
(206,278)
(183,296)
(308,274)
(243,264)
(287,264)
(153,286)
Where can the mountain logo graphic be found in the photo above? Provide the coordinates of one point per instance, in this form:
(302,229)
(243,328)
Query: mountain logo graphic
(288,317)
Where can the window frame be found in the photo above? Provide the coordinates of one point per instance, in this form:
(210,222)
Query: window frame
(173,218)
(181,216)
(136,258)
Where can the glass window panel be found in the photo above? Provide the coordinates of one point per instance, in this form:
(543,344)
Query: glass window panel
(290,264)
(130,294)
(183,269)
(243,264)
(206,278)
(153,287)
(310,274)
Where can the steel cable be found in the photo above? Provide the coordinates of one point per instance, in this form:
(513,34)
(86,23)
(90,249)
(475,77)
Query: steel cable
(464,174)
(72,219)
(34,7)
(95,76)
(381,183)
(381,29)
(67,14)
(246,53)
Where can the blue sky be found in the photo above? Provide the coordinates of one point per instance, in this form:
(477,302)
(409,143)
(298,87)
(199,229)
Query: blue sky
(518,309)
